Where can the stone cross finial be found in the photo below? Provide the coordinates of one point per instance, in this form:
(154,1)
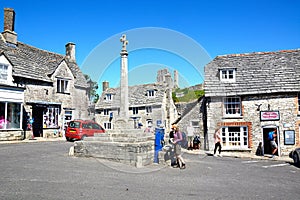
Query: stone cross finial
(124,41)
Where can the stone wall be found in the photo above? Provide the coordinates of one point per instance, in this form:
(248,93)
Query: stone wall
(132,147)
(286,104)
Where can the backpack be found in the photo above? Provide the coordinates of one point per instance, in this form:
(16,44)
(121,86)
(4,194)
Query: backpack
(270,136)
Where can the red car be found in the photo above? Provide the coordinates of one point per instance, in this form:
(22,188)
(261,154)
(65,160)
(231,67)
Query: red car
(79,129)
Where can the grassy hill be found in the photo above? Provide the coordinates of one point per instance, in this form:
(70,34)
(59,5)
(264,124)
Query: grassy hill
(186,95)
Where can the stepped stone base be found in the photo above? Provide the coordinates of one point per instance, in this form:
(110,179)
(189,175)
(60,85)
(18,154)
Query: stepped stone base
(133,147)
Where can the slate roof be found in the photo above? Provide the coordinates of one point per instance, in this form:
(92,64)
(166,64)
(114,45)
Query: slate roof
(33,63)
(256,73)
(137,96)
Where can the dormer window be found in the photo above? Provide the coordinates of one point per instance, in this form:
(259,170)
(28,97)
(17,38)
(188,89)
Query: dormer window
(227,75)
(151,93)
(62,86)
(108,97)
(3,72)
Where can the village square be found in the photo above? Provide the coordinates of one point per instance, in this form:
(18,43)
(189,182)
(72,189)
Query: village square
(243,98)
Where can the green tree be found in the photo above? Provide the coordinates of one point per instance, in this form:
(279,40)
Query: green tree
(93,87)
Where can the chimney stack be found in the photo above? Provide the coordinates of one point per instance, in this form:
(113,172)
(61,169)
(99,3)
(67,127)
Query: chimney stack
(70,51)
(105,85)
(9,26)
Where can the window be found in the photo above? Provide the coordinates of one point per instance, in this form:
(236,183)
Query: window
(108,97)
(235,137)
(148,109)
(107,125)
(135,110)
(227,75)
(106,112)
(151,93)
(3,72)
(10,115)
(232,106)
(51,117)
(62,86)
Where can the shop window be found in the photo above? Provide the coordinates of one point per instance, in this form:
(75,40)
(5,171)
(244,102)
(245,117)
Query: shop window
(3,72)
(232,106)
(62,86)
(227,75)
(235,137)
(50,116)
(10,115)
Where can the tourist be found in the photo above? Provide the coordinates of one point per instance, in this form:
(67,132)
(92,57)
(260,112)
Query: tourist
(190,131)
(177,142)
(272,138)
(218,139)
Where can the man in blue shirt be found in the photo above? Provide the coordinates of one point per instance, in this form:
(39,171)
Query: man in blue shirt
(272,137)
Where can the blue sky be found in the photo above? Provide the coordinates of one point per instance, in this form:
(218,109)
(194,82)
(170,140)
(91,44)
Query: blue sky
(193,32)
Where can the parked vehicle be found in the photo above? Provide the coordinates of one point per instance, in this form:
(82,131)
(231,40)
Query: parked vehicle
(79,129)
(295,155)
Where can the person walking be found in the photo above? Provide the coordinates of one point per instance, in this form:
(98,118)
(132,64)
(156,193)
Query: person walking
(218,139)
(177,143)
(190,131)
(272,138)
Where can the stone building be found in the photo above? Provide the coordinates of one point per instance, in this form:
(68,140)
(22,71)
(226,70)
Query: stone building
(37,84)
(150,105)
(248,95)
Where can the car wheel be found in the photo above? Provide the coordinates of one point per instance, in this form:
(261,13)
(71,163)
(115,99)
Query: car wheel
(296,158)
(82,138)
(68,139)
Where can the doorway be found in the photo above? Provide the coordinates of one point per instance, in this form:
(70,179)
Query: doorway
(266,141)
(37,115)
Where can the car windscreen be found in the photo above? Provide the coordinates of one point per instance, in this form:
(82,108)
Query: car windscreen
(74,124)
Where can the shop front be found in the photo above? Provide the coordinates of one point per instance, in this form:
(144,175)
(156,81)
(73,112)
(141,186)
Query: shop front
(44,118)
(11,113)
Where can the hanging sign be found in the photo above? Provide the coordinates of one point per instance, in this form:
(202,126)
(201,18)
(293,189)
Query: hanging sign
(269,115)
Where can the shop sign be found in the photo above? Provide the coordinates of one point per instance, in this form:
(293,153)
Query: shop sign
(269,115)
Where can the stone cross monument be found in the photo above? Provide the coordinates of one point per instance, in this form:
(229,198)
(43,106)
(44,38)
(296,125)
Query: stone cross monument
(122,120)
(123,143)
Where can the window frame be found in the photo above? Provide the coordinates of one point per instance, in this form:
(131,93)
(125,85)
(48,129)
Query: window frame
(51,117)
(135,110)
(108,97)
(106,112)
(10,115)
(148,109)
(151,93)
(231,138)
(228,107)
(226,77)
(107,125)
(65,89)
(3,71)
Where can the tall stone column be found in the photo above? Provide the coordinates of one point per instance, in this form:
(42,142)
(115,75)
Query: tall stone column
(124,104)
